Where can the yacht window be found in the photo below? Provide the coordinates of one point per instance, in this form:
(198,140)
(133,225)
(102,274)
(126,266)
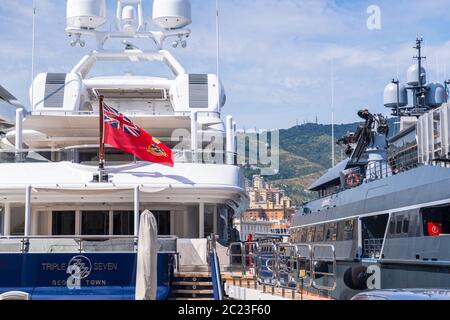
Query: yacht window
(63,223)
(2,220)
(123,222)
(163,220)
(95,223)
(209,220)
(319,233)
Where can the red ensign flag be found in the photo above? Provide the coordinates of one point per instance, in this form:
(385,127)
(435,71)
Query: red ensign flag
(121,133)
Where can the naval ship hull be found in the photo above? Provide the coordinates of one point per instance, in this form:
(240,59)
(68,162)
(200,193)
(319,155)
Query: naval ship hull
(380,233)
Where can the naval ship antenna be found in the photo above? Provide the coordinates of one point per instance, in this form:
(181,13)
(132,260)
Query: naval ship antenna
(419,102)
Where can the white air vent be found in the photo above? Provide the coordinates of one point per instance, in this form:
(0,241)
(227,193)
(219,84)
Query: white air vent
(54,90)
(198,91)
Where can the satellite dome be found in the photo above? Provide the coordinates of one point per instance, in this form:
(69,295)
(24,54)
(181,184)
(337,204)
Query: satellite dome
(412,76)
(172,14)
(394,95)
(86,14)
(435,96)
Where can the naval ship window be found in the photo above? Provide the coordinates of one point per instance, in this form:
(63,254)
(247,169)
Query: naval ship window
(95,223)
(311,231)
(63,223)
(319,233)
(303,234)
(392,226)
(436,220)
(345,230)
(294,235)
(331,231)
(398,224)
(405,228)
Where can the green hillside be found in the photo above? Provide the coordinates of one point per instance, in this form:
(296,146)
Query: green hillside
(305,154)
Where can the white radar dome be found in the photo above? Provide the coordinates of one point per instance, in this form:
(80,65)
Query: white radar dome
(412,76)
(435,96)
(394,95)
(86,14)
(172,14)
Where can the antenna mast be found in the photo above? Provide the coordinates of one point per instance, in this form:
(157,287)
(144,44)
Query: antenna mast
(33,46)
(420,90)
(218,52)
(332,113)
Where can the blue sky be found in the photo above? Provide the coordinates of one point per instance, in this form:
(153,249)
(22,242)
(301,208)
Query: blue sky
(276,55)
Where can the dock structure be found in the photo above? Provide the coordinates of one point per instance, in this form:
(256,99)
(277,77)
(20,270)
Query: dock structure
(247,288)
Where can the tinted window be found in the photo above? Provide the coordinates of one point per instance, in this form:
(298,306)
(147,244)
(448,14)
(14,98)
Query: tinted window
(406,225)
(2,217)
(436,220)
(398,224)
(95,223)
(124,223)
(63,223)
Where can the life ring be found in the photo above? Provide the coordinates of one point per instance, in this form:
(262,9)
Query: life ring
(353,180)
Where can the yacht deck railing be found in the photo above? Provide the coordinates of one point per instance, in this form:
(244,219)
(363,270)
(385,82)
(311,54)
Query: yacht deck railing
(80,244)
(87,154)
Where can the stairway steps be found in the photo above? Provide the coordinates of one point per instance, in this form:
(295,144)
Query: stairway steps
(189,299)
(192,275)
(192,283)
(196,291)
(192,286)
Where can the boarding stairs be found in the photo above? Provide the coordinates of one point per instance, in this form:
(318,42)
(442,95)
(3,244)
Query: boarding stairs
(192,286)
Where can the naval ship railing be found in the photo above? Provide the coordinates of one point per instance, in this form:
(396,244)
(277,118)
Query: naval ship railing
(267,264)
(321,262)
(286,266)
(304,263)
(288,272)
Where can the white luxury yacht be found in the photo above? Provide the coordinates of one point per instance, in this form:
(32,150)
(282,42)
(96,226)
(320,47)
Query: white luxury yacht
(52,199)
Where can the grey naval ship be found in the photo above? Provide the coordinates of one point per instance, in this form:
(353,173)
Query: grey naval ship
(386,208)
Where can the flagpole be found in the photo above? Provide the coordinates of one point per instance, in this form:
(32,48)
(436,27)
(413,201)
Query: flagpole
(101,149)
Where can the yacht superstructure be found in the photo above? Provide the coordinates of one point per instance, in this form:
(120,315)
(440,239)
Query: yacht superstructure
(51,199)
